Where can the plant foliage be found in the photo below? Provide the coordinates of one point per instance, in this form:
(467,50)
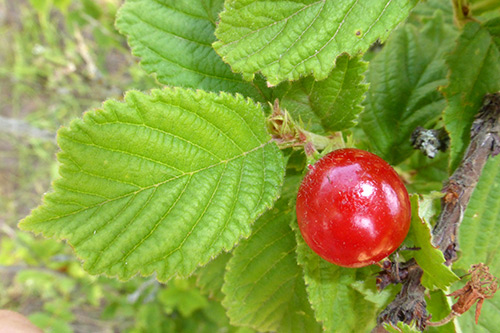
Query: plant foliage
(191,175)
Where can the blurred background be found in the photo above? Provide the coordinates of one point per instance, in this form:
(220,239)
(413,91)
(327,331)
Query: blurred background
(59,58)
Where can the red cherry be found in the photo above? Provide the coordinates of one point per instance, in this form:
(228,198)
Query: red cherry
(352,208)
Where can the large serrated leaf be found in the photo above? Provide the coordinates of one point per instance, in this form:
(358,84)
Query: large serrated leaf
(478,241)
(263,285)
(286,40)
(174,40)
(332,104)
(474,72)
(404,79)
(430,259)
(339,306)
(160,183)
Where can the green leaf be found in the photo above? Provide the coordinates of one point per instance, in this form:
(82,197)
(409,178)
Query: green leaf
(181,296)
(429,206)
(211,276)
(478,230)
(401,328)
(286,40)
(483,8)
(426,10)
(263,285)
(474,71)
(174,40)
(439,308)
(161,183)
(368,289)
(339,306)
(478,240)
(50,323)
(429,258)
(149,318)
(332,104)
(404,79)
(426,174)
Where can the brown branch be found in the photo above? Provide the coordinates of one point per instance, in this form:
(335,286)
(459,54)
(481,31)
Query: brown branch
(484,143)
(409,305)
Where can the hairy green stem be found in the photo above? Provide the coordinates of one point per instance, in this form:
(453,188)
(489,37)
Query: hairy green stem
(287,133)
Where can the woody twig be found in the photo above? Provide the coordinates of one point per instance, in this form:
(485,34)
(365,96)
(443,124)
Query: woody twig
(484,142)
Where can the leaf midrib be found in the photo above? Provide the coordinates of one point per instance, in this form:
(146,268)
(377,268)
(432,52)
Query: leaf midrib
(152,185)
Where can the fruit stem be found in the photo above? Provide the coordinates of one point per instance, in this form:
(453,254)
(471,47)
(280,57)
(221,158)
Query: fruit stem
(287,133)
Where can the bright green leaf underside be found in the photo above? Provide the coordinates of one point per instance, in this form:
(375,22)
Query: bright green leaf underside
(174,40)
(286,40)
(430,259)
(161,183)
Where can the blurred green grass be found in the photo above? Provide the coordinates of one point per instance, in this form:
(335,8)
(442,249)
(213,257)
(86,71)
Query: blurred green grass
(59,58)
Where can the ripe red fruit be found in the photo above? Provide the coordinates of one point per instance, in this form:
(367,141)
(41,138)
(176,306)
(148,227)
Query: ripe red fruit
(352,208)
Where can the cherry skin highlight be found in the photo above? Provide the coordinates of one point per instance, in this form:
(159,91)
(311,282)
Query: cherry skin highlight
(352,208)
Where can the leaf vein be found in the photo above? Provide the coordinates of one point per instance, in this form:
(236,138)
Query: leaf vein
(264,248)
(157,224)
(122,230)
(329,41)
(162,29)
(212,76)
(274,23)
(179,247)
(153,185)
(376,20)
(124,152)
(214,125)
(256,282)
(300,36)
(105,223)
(235,200)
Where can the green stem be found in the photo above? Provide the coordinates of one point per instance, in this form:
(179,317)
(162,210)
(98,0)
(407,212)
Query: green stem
(461,10)
(288,133)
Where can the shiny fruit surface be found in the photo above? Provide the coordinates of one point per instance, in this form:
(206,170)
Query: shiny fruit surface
(352,208)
